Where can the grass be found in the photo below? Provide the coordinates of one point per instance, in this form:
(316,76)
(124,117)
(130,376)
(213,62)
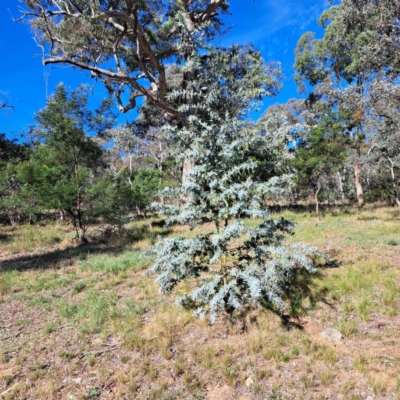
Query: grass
(27,238)
(130,260)
(90,313)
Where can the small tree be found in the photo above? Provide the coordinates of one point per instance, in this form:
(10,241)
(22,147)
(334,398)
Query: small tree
(236,266)
(321,154)
(12,154)
(240,266)
(65,171)
(139,188)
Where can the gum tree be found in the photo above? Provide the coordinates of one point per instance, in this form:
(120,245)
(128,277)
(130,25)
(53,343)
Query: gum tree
(127,44)
(331,65)
(358,52)
(376,26)
(384,150)
(234,265)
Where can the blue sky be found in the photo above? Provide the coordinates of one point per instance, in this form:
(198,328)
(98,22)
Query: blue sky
(273,26)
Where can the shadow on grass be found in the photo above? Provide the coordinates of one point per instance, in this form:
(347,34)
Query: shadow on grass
(6,237)
(303,295)
(113,244)
(335,209)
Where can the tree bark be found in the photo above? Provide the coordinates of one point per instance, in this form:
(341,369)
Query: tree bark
(359,189)
(188,165)
(341,185)
(13,219)
(316,198)
(394,184)
(74,223)
(83,234)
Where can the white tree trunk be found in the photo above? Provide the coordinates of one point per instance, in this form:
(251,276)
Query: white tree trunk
(316,198)
(188,165)
(359,189)
(394,184)
(341,185)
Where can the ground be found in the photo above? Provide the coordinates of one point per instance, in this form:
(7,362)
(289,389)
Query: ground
(87,322)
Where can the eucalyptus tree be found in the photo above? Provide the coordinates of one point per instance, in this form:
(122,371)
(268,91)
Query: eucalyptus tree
(333,66)
(385,153)
(295,117)
(143,164)
(128,43)
(143,139)
(376,26)
(384,149)
(318,142)
(238,164)
(124,141)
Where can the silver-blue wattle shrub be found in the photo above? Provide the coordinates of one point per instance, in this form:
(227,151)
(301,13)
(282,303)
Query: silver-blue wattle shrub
(244,262)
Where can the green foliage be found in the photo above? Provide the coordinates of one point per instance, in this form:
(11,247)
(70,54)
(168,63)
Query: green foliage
(374,26)
(141,187)
(335,55)
(321,154)
(66,168)
(339,70)
(12,154)
(114,265)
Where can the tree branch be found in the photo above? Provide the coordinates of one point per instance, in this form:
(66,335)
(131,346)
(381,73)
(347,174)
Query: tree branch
(209,11)
(97,72)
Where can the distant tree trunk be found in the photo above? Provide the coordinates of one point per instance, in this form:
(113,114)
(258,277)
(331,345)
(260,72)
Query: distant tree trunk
(393,179)
(359,189)
(188,165)
(83,235)
(13,217)
(130,163)
(160,169)
(80,229)
(316,198)
(341,185)
(74,222)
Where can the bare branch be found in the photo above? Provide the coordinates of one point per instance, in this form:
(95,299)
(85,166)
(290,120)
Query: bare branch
(210,11)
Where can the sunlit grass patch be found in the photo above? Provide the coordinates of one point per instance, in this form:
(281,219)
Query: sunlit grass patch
(106,263)
(28,237)
(205,356)
(347,327)
(46,281)
(7,282)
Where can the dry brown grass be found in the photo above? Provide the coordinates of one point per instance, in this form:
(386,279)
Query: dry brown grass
(94,326)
